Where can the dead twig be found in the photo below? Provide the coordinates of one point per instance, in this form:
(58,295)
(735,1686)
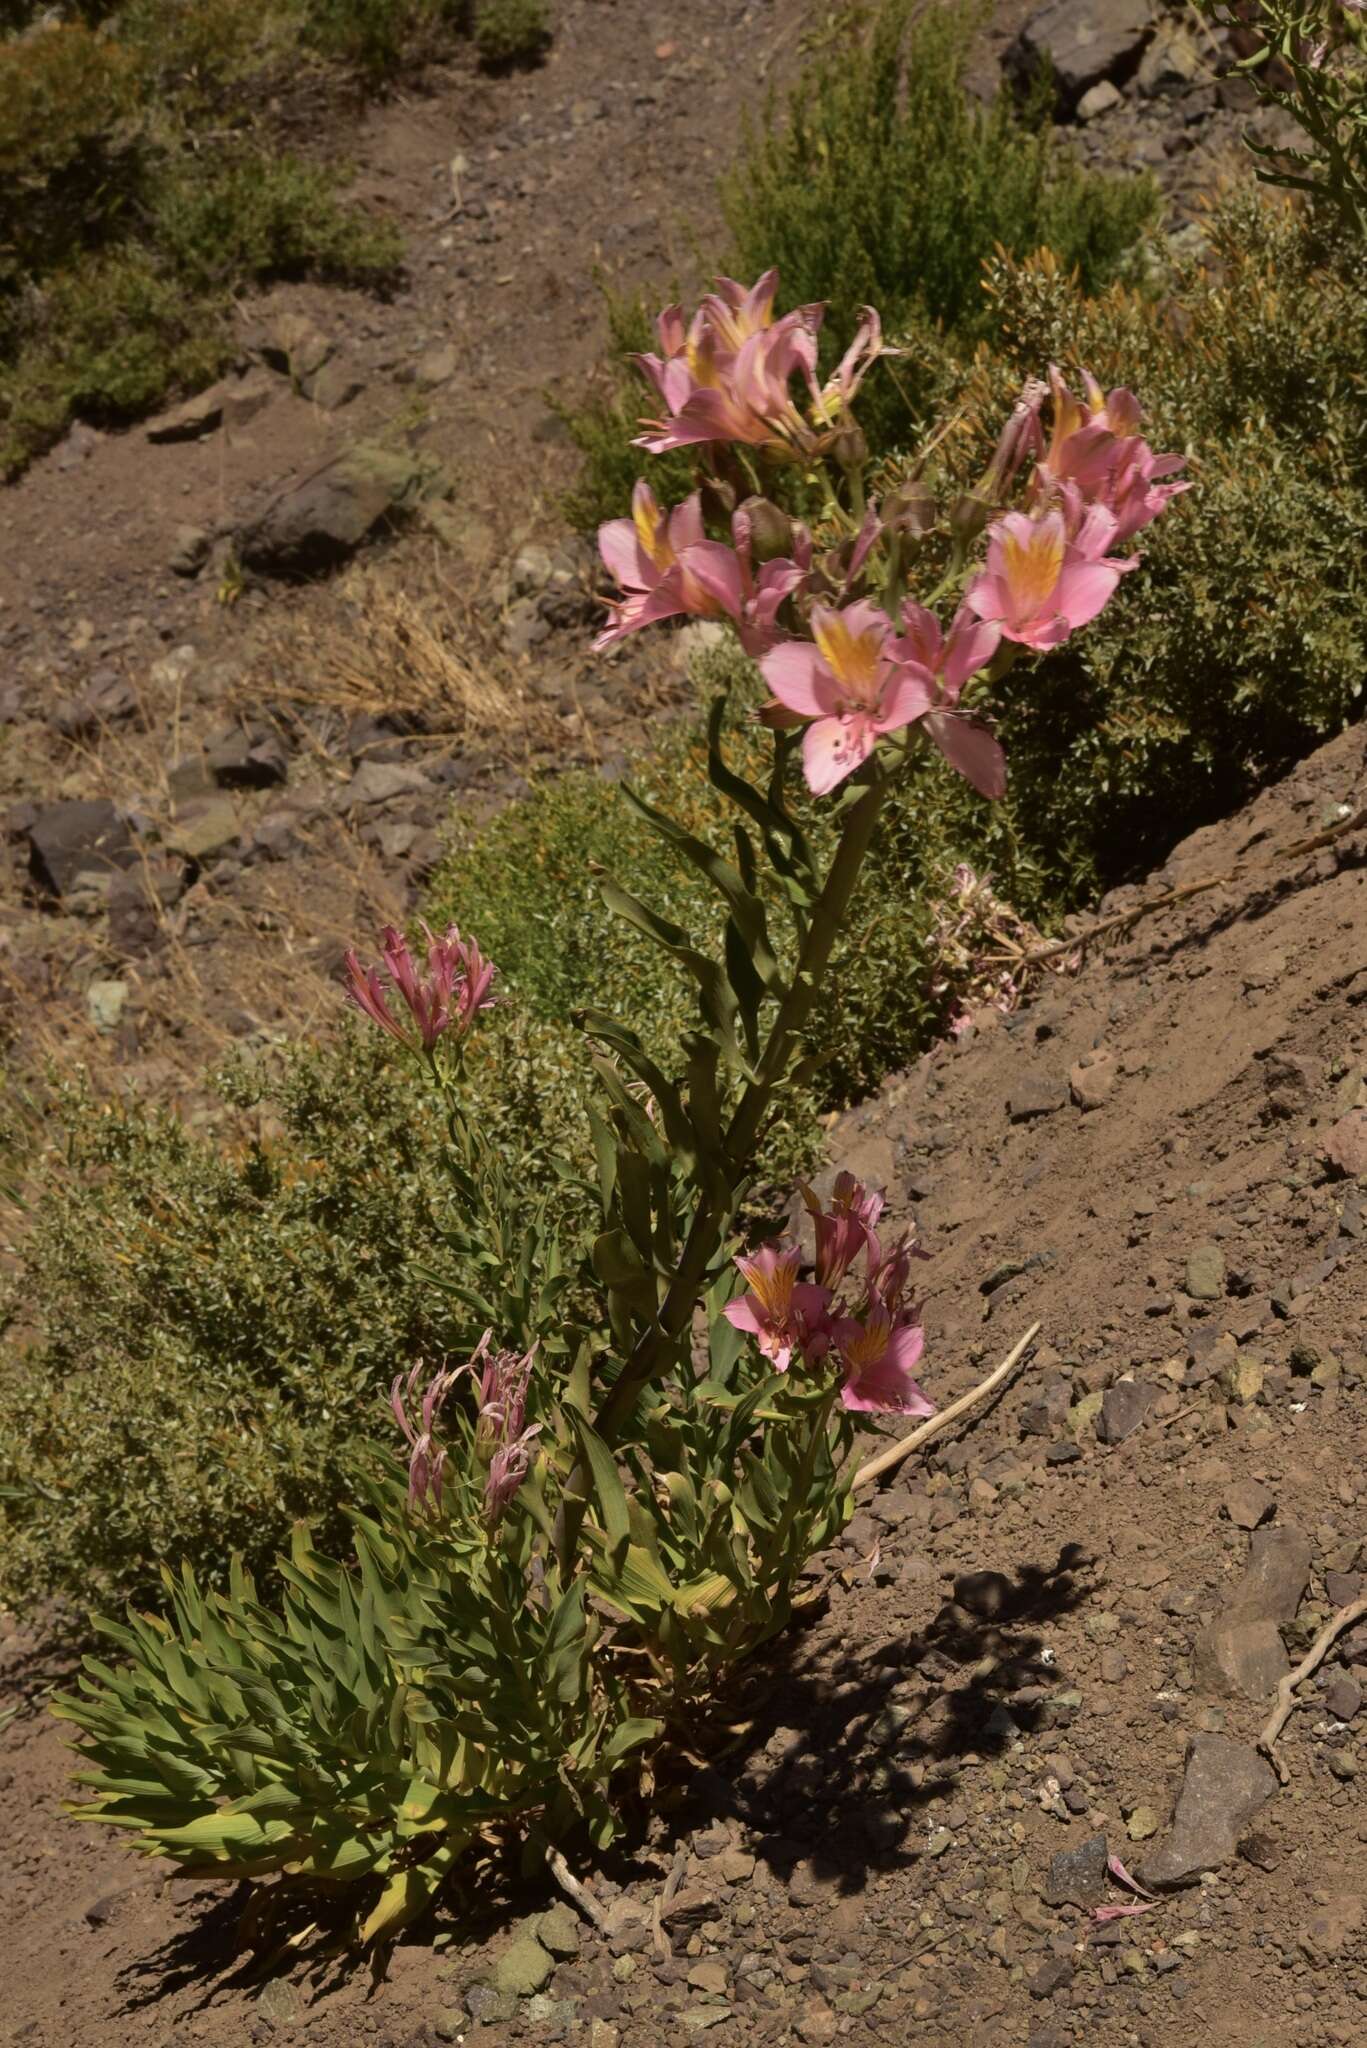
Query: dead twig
(1309,1664)
(895,1453)
(664,1947)
(571,1887)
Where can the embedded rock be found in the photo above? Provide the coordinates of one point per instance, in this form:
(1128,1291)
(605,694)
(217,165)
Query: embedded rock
(82,836)
(1225,1785)
(1081,42)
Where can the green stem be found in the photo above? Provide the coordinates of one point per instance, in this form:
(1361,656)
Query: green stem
(774,1548)
(713,1216)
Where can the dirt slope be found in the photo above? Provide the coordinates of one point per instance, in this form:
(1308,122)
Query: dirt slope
(1023,1636)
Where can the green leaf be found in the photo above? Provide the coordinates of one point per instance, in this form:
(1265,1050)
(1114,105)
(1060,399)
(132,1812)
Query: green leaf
(608,1490)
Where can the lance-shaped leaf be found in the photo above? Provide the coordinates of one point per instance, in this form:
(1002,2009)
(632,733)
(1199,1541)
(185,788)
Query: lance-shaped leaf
(747,909)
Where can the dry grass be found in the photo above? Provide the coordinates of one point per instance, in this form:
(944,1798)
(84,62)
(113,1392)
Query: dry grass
(420,652)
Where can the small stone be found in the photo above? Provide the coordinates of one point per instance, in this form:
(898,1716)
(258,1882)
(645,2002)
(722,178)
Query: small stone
(1054,1974)
(1123,1408)
(1206,1273)
(202,830)
(1077,1877)
(1035,1095)
(381,782)
(81,836)
(1114,1667)
(1242,1378)
(1098,99)
(279,2001)
(939,1841)
(557,1929)
(189,550)
(1084,1414)
(524,1966)
(1345,1145)
(436,367)
(1247,1504)
(1335,1923)
(737,1866)
(710,1975)
(105,1002)
(1091,1082)
(1343,1697)
(188,421)
(1225,1785)
(1142,1823)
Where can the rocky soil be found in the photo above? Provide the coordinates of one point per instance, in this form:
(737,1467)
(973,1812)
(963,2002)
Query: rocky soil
(1056,1638)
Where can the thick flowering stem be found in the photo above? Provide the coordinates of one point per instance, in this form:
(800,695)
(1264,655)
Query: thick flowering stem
(714,1216)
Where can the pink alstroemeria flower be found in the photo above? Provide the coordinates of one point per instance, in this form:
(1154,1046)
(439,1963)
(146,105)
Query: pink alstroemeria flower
(786,1314)
(764,590)
(426,1457)
(950,660)
(878,1354)
(846,1229)
(742,396)
(503,1439)
(1039,585)
(838,393)
(667,566)
(1096,447)
(458,985)
(850,681)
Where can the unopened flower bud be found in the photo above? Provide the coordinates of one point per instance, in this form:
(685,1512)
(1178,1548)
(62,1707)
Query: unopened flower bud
(910,509)
(849,447)
(968,515)
(769,527)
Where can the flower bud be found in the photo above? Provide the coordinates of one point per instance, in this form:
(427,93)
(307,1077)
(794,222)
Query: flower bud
(968,515)
(769,528)
(911,508)
(849,447)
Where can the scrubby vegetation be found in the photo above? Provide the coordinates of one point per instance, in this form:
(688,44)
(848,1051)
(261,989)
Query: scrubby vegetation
(141,185)
(220,1325)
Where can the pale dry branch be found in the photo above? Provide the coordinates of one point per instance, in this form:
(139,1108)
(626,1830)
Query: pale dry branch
(1356,1610)
(895,1453)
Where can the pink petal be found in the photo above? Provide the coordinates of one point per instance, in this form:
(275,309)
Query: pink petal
(716,568)
(623,556)
(1083,588)
(800,679)
(832,749)
(685,524)
(968,746)
(922,638)
(909,693)
(743,1315)
(971,646)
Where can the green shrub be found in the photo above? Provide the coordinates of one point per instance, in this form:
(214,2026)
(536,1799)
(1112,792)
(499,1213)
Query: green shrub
(252,217)
(510,31)
(70,158)
(1247,643)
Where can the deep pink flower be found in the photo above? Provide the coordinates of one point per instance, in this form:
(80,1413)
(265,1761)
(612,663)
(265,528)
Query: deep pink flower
(786,1314)
(764,590)
(1040,585)
(838,393)
(503,1439)
(846,1229)
(850,681)
(878,1355)
(427,1457)
(964,741)
(457,986)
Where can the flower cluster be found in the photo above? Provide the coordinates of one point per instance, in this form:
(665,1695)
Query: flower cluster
(457,986)
(979,947)
(857,1320)
(858,669)
(502,1438)
(727,374)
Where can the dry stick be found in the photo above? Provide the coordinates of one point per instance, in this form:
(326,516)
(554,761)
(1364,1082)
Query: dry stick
(1310,1662)
(664,1947)
(570,1885)
(1079,941)
(895,1453)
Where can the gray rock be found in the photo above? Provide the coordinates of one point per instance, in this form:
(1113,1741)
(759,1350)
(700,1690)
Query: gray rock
(318,523)
(294,345)
(245,398)
(1035,1095)
(1123,1407)
(1343,1697)
(1171,63)
(1242,1652)
(1082,42)
(1099,99)
(189,550)
(1345,1145)
(334,386)
(1225,1785)
(380,782)
(204,829)
(524,1967)
(557,1930)
(82,836)
(1092,1081)
(436,367)
(187,422)
(1206,1273)
(1077,1877)
(1247,1503)
(248,760)
(105,1002)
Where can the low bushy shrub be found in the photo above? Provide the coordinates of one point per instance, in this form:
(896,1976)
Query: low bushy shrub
(510,31)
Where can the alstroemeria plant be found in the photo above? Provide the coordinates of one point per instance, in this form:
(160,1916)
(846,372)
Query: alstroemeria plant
(615,1495)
